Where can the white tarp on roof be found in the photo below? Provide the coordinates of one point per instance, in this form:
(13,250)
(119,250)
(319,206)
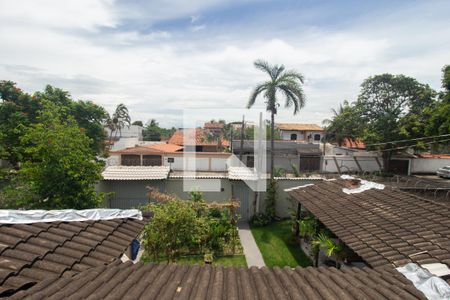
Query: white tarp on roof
(9,216)
(432,286)
(364,185)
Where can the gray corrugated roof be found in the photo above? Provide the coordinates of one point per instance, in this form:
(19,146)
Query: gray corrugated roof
(135,173)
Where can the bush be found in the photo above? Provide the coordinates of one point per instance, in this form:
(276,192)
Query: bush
(271,199)
(260,220)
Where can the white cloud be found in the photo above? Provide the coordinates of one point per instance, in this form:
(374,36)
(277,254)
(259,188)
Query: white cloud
(158,73)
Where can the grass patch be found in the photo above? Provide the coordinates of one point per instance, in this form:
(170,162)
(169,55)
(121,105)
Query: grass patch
(226,260)
(278,248)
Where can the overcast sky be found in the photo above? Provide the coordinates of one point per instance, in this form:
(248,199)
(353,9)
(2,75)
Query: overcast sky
(161,56)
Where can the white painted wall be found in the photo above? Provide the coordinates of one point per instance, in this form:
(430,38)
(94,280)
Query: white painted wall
(348,164)
(201,163)
(428,165)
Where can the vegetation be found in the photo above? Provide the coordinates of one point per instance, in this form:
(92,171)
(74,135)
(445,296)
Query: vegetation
(61,169)
(180,228)
(52,142)
(153,132)
(287,82)
(118,120)
(390,108)
(278,246)
(19,110)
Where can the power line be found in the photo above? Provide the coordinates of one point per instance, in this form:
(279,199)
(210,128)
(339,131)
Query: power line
(417,139)
(409,146)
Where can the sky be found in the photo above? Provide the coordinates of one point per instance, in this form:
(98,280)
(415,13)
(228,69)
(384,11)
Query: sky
(160,57)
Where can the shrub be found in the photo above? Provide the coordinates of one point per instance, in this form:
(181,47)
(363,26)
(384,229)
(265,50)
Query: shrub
(271,199)
(260,220)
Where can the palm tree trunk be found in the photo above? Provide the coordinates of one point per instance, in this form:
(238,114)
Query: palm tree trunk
(272,149)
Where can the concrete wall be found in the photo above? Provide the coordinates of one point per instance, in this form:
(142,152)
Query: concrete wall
(175,186)
(348,164)
(427,165)
(128,193)
(132,193)
(301,135)
(201,162)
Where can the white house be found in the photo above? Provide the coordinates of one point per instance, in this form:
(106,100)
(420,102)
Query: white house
(310,133)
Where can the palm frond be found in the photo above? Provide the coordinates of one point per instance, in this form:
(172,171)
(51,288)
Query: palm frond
(256,91)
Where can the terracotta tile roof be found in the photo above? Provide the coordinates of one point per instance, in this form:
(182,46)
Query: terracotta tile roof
(138,150)
(31,253)
(165,147)
(150,149)
(354,144)
(196,135)
(381,226)
(213,126)
(296,126)
(135,173)
(150,281)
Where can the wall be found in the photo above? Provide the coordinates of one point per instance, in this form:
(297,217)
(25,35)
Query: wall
(286,135)
(428,165)
(127,193)
(175,186)
(216,163)
(132,193)
(348,164)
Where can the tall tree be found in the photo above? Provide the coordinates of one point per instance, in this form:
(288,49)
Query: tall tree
(62,169)
(118,120)
(343,124)
(384,101)
(439,121)
(286,82)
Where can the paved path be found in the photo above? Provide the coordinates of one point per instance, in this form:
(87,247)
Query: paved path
(251,251)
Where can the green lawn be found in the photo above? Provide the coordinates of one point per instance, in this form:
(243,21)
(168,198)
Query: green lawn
(228,260)
(277,246)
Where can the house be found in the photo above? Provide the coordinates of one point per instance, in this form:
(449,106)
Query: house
(198,140)
(213,128)
(303,156)
(310,133)
(35,249)
(126,137)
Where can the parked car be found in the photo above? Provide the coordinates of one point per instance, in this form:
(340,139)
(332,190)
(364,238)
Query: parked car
(443,172)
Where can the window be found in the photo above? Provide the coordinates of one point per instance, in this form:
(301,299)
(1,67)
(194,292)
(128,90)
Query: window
(293,137)
(317,137)
(152,160)
(131,160)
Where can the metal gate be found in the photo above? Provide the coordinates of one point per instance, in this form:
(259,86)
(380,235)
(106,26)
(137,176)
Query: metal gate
(241,192)
(399,166)
(309,163)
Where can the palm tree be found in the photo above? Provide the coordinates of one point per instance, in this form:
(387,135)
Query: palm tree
(288,83)
(329,247)
(119,119)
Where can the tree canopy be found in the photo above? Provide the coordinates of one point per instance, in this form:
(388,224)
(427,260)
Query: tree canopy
(153,132)
(390,108)
(18,110)
(61,168)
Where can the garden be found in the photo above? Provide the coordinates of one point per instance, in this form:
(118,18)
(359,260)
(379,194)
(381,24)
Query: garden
(192,231)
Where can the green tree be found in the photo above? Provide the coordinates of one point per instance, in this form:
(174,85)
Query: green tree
(62,169)
(18,110)
(343,125)
(118,120)
(153,132)
(288,83)
(384,102)
(439,115)
(138,123)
